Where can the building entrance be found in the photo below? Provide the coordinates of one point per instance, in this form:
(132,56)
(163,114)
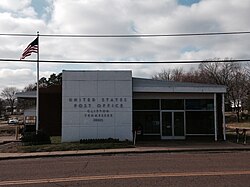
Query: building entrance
(172,125)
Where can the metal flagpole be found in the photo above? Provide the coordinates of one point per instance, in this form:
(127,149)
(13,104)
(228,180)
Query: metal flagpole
(37,85)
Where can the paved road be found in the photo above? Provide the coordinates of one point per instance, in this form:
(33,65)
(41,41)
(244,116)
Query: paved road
(162,169)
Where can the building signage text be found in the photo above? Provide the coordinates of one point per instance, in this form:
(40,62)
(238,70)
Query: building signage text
(98,108)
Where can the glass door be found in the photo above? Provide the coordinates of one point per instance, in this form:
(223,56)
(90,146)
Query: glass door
(167,124)
(179,125)
(172,125)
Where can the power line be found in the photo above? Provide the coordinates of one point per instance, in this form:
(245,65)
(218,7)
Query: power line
(127,62)
(129,35)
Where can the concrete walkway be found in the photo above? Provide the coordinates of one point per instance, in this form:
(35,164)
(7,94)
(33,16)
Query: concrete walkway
(144,147)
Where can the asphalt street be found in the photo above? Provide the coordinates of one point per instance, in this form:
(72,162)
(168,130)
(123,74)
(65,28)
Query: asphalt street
(156,169)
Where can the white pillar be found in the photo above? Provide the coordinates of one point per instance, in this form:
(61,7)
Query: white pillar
(215,118)
(223,117)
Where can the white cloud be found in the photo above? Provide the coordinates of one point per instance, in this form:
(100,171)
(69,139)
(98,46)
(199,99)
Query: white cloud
(18,8)
(18,78)
(14,5)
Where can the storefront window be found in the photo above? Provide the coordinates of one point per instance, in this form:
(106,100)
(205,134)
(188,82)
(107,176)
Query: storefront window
(147,121)
(146,104)
(172,104)
(199,104)
(200,122)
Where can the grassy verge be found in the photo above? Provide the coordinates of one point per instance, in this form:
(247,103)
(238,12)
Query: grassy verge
(56,145)
(74,146)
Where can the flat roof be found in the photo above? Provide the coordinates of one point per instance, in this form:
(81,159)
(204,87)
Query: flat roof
(26,95)
(151,85)
(158,86)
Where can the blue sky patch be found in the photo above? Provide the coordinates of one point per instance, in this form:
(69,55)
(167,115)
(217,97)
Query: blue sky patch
(133,28)
(40,7)
(189,49)
(188,2)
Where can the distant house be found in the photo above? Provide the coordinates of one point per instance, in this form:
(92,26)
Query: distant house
(30,111)
(113,104)
(50,101)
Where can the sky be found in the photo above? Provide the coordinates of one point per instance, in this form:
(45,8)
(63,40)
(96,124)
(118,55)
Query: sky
(118,17)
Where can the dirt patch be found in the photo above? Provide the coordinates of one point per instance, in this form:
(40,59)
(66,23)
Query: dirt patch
(8,130)
(12,147)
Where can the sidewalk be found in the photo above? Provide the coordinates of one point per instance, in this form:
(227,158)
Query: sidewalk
(144,147)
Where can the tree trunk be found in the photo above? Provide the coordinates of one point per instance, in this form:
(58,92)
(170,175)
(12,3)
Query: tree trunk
(12,107)
(238,114)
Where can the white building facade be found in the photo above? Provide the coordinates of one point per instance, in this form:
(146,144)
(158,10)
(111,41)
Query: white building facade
(96,105)
(111,104)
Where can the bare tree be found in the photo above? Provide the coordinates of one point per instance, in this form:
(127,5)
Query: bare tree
(8,94)
(192,76)
(218,73)
(247,69)
(1,106)
(170,74)
(163,75)
(230,74)
(239,90)
(177,74)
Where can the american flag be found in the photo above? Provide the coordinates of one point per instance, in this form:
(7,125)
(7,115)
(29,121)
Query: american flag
(31,48)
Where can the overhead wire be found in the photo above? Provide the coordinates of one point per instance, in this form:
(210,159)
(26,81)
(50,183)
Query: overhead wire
(129,35)
(129,62)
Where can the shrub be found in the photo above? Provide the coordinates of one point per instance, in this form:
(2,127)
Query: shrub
(33,138)
(108,140)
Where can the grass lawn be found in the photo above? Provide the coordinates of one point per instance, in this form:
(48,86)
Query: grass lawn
(240,125)
(56,145)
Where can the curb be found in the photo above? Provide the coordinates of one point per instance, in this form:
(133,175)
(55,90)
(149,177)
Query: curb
(113,152)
